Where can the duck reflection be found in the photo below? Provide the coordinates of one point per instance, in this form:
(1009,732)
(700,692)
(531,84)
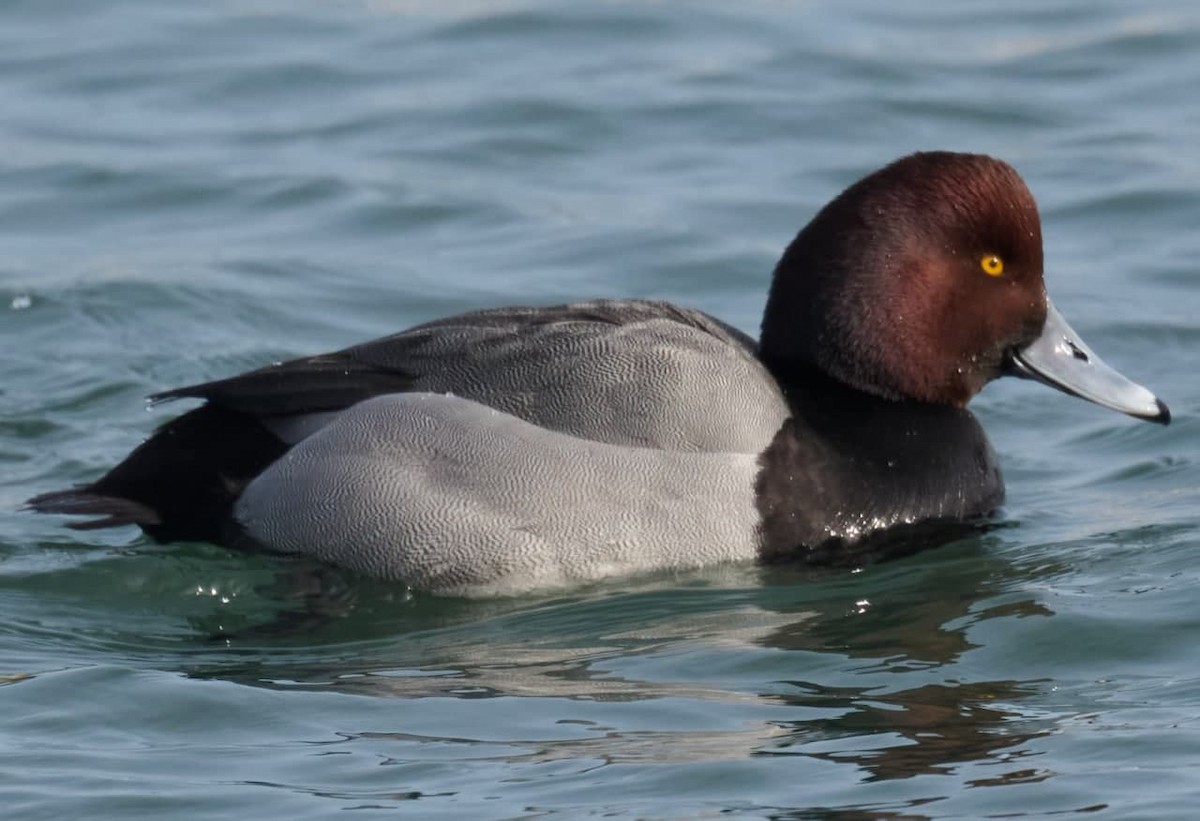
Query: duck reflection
(914,628)
(881,682)
(929,729)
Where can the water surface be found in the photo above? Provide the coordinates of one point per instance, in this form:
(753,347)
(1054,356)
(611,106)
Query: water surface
(188,190)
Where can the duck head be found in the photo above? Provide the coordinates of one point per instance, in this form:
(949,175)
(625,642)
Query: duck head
(924,281)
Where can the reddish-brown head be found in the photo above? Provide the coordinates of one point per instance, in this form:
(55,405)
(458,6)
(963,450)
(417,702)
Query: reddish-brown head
(915,282)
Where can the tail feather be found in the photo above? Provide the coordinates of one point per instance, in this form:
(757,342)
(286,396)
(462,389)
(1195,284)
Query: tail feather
(178,485)
(81,501)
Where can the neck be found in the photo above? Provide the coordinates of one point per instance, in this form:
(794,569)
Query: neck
(849,464)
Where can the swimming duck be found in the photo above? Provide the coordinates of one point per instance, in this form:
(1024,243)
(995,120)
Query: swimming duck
(521,448)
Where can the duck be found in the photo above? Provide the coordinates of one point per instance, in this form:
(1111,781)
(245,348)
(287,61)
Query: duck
(519,449)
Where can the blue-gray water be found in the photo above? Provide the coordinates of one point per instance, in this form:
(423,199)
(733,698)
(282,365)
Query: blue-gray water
(189,190)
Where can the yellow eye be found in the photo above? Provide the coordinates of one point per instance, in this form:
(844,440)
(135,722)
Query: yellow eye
(992,265)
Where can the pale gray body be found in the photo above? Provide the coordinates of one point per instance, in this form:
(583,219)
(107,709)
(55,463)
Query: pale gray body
(570,450)
(451,496)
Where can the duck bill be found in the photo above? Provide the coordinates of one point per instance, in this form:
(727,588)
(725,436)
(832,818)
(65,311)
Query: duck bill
(1060,359)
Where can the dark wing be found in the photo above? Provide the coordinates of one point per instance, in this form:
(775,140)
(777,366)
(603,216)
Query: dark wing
(328,382)
(620,371)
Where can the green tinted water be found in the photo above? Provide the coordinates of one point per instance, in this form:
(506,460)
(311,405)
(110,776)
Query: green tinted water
(188,191)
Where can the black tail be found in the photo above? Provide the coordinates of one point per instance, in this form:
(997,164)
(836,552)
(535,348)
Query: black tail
(83,501)
(181,483)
